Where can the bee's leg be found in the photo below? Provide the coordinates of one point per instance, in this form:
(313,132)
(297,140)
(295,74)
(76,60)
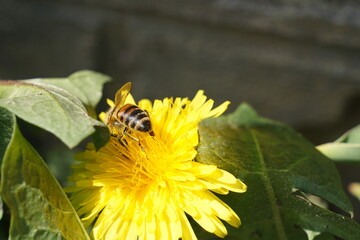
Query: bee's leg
(122,140)
(125,132)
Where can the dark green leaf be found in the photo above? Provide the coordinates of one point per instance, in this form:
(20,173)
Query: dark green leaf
(100,137)
(1,208)
(7,122)
(39,208)
(278,166)
(49,107)
(324,236)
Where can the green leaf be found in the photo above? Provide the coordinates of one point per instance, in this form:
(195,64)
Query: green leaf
(344,149)
(351,136)
(38,206)
(278,166)
(86,85)
(341,152)
(1,209)
(7,122)
(49,107)
(100,137)
(324,236)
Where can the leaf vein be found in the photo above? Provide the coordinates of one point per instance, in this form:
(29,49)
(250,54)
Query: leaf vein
(267,182)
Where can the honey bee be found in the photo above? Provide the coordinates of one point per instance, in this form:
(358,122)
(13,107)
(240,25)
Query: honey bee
(125,117)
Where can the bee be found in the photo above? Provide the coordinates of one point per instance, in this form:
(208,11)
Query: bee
(125,117)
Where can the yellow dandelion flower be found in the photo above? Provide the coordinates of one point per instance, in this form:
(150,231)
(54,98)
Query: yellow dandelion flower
(145,189)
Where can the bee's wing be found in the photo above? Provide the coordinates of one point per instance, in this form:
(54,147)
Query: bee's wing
(122,93)
(120,98)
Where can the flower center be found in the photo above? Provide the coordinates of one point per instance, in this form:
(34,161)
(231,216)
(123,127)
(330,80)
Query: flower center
(141,164)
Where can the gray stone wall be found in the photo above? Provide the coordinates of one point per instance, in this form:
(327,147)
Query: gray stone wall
(294,61)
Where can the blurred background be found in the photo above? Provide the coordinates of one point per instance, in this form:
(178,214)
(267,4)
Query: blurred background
(295,61)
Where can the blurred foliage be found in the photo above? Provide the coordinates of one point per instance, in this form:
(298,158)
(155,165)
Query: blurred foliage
(344,149)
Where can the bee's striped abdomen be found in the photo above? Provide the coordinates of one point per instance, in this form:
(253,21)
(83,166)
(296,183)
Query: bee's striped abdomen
(134,118)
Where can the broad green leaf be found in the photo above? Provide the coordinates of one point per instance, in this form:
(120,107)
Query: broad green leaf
(38,206)
(279,167)
(85,85)
(49,107)
(345,149)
